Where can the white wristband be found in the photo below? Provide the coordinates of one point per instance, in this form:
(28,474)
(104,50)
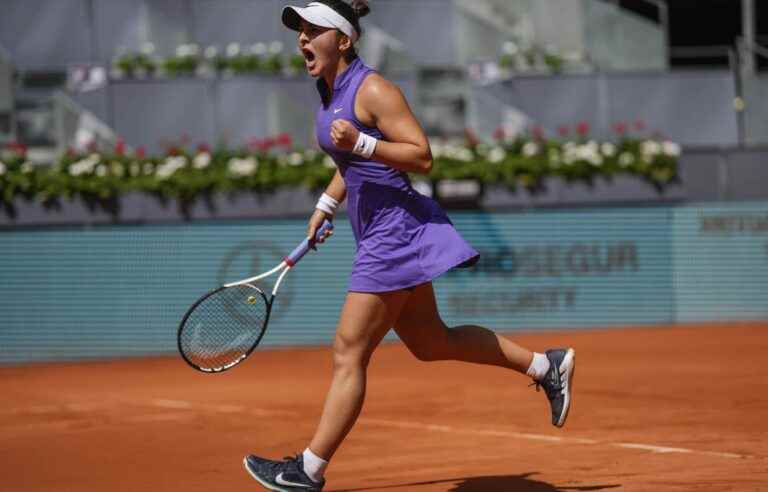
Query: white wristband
(365,146)
(327,204)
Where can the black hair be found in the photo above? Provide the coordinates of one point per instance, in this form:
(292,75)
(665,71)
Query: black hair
(352,12)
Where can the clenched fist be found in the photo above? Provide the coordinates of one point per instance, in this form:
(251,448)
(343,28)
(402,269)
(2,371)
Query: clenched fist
(344,134)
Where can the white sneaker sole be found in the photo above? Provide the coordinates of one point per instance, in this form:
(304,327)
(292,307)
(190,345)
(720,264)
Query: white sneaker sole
(567,370)
(263,484)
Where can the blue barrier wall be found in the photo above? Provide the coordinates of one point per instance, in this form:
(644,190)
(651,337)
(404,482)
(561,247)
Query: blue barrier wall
(721,262)
(71,293)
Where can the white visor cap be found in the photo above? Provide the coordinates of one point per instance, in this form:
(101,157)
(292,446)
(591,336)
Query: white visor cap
(318,14)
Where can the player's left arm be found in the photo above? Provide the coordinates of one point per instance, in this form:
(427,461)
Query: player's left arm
(381,104)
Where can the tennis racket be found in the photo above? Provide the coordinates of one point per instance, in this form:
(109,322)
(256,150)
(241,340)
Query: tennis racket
(223,327)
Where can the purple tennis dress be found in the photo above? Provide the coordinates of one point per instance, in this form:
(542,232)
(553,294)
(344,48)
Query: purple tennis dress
(403,237)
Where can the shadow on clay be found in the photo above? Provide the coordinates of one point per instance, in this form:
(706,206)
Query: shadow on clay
(508,483)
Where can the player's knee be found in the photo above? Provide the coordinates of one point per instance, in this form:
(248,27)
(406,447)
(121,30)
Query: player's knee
(348,355)
(431,350)
(425,353)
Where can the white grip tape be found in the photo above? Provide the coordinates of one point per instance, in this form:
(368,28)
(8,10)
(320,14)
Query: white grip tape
(365,146)
(327,204)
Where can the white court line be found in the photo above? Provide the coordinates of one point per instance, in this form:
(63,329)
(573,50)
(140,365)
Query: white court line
(175,404)
(188,405)
(163,417)
(543,437)
(653,449)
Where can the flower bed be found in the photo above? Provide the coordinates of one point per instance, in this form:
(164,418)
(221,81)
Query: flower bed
(99,178)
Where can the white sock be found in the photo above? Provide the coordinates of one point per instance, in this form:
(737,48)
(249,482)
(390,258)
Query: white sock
(539,366)
(314,466)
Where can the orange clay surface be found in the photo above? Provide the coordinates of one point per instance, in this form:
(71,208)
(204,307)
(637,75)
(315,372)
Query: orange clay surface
(661,409)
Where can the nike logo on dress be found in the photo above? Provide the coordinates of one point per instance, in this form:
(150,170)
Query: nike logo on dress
(337,110)
(281,481)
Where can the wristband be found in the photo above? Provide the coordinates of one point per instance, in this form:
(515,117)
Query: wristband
(327,204)
(365,146)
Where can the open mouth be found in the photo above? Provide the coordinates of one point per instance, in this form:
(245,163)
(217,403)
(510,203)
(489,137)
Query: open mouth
(308,55)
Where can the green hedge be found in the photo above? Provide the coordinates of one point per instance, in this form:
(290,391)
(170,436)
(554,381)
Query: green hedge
(100,178)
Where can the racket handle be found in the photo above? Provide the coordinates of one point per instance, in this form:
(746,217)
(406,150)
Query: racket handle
(302,249)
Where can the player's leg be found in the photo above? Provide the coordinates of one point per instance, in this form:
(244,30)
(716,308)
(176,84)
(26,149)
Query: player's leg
(365,319)
(429,339)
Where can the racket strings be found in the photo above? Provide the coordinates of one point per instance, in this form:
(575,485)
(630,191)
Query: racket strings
(224,327)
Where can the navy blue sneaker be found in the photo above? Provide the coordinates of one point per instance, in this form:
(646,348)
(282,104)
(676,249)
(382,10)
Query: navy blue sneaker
(284,476)
(557,383)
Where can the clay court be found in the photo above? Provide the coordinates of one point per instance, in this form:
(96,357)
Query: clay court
(667,408)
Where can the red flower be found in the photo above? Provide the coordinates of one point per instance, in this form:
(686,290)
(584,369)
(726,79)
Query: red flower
(141,152)
(120,147)
(640,125)
(563,130)
(620,128)
(285,140)
(203,147)
(70,152)
(582,128)
(173,150)
(17,147)
(92,146)
(268,143)
(538,133)
(499,134)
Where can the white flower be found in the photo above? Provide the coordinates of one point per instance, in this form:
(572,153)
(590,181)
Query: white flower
(530,149)
(329,162)
(650,148)
(233,49)
(608,149)
(626,159)
(84,166)
(211,52)
(589,153)
(27,167)
(201,160)
(194,49)
(671,149)
(182,50)
(259,49)
(170,166)
(147,168)
(135,168)
(2,168)
(496,155)
(116,169)
(464,155)
(310,154)
(296,159)
(101,170)
(242,167)
(276,47)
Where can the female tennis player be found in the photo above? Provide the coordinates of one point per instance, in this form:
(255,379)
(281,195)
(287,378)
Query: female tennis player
(404,240)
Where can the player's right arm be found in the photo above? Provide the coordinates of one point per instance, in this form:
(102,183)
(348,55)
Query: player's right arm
(337,190)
